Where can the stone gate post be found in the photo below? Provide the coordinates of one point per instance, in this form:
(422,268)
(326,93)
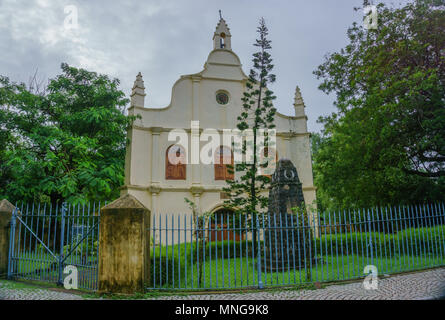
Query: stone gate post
(124,244)
(6,209)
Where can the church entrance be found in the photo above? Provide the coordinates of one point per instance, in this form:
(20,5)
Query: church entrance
(225,226)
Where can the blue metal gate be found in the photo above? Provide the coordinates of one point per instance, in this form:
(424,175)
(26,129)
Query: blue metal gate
(44,239)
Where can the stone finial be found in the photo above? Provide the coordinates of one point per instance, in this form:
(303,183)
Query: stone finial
(299,103)
(6,206)
(298,98)
(285,175)
(125,202)
(138,92)
(222,36)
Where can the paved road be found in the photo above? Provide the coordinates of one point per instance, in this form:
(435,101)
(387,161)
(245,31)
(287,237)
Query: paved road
(420,285)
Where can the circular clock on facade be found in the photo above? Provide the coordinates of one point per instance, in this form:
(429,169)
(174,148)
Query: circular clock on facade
(222,98)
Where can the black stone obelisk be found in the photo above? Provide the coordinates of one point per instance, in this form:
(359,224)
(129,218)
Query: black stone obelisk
(287,232)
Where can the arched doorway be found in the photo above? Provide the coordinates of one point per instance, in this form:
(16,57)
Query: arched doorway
(225,225)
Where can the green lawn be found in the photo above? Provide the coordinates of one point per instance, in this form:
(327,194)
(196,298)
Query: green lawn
(242,272)
(235,272)
(39,265)
(230,264)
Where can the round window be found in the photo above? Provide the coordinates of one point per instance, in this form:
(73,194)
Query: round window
(222,98)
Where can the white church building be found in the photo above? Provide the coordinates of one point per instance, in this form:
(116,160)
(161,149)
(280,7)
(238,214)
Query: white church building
(212,97)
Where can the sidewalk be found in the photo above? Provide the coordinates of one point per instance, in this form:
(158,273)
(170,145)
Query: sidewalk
(425,285)
(10,290)
(414,286)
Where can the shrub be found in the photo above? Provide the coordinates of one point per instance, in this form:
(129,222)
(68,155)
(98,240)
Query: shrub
(165,259)
(403,242)
(161,268)
(229,249)
(425,239)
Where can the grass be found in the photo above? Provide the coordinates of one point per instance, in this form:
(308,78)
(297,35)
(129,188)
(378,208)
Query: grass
(8,284)
(243,272)
(39,265)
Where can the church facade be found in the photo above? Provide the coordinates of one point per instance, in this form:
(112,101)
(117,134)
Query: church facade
(212,97)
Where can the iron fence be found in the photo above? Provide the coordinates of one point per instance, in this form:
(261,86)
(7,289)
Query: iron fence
(221,252)
(44,239)
(228,251)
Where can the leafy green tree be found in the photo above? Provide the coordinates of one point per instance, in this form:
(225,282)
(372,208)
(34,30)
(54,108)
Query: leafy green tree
(385,143)
(257,114)
(65,142)
(316,140)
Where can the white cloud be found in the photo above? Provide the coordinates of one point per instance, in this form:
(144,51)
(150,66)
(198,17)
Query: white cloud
(164,39)
(44,3)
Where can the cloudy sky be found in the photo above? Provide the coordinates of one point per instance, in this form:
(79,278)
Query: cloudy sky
(165,39)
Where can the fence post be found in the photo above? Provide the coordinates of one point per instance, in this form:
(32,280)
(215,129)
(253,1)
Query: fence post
(370,238)
(12,238)
(6,209)
(260,278)
(124,256)
(62,240)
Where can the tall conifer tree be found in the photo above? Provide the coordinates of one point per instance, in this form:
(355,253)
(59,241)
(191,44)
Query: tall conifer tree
(258,113)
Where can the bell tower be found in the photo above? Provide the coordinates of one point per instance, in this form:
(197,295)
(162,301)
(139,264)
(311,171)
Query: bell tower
(221,37)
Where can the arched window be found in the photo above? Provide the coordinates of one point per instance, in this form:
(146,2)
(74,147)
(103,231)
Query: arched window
(267,156)
(175,163)
(223,157)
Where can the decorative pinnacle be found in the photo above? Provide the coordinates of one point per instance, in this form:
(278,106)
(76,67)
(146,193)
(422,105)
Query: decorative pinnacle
(138,92)
(138,87)
(222,27)
(298,101)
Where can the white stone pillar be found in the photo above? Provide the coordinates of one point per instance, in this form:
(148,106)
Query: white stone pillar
(195,168)
(287,146)
(155,155)
(195,102)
